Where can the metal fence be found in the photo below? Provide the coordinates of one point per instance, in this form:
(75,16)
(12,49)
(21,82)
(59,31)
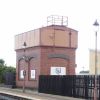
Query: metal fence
(10,79)
(78,86)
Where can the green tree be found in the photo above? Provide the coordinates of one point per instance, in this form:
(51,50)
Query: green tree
(9,69)
(2,62)
(4,68)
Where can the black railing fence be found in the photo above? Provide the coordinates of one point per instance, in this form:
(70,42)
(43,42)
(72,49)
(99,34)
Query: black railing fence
(78,86)
(10,79)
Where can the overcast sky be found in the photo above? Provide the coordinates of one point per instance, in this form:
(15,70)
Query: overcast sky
(18,16)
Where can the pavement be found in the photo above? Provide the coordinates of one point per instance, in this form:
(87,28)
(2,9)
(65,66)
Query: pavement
(33,94)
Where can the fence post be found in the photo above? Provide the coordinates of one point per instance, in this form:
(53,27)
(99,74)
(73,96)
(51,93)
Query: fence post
(86,79)
(99,87)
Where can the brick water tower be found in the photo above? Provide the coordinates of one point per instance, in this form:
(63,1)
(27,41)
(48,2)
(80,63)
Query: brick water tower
(49,50)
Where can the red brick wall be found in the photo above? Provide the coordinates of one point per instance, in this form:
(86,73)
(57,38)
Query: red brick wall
(32,64)
(46,62)
(41,62)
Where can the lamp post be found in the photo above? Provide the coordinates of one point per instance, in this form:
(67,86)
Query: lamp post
(96,25)
(24,72)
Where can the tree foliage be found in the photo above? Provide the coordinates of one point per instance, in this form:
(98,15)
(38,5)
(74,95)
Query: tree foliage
(4,68)
(2,62)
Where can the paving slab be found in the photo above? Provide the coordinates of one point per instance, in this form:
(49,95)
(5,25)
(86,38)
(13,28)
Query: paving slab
(33,94)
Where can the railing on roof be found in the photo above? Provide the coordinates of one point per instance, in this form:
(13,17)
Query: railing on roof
(57,20)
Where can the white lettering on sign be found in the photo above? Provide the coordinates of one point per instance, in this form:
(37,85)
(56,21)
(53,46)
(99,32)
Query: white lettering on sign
(58,71)
(32,74)
(22,74)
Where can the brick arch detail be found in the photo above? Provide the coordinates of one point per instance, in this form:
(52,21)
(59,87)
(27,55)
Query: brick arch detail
(21,66)
(59,62)
(61,56)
